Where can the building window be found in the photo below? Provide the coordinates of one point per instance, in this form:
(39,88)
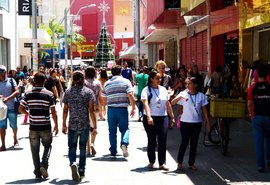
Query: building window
(4,4)
(4,51)
(172,4)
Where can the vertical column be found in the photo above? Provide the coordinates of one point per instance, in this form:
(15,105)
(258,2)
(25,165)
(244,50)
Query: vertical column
(34,36)
(137,31)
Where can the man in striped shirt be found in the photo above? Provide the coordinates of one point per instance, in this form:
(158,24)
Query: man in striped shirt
(38,103)
(118,93)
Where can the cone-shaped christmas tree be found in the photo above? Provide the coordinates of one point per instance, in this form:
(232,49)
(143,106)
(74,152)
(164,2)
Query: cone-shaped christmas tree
(104,52)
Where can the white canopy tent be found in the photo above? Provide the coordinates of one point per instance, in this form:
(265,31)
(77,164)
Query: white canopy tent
(131,52)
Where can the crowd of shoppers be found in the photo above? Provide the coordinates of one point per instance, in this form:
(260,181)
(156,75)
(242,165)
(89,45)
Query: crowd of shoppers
(102,95)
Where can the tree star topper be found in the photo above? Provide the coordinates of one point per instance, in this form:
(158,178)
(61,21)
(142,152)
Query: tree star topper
(103,7)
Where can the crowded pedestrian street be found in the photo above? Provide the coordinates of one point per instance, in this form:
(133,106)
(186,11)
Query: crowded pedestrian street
(237,168)
(135,92)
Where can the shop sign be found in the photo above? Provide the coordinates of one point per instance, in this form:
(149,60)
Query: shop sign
(25,7)
(88,48)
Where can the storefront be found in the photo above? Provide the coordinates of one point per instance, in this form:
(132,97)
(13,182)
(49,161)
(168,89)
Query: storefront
(254,35)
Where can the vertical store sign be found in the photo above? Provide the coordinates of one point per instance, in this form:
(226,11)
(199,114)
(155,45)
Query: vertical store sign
(25,7)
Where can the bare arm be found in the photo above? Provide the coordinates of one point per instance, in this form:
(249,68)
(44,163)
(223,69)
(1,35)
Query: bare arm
(55,92)
(206,118)
(65,113)
(54,116)
(92,113)
(147,111)
(104,100)
(176,99)
(13,95)
(249,106)
(170,112)
(132,102)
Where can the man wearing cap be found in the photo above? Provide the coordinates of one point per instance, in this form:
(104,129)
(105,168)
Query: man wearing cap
(8,94)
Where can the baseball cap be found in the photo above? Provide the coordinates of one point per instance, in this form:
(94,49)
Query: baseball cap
(3,68)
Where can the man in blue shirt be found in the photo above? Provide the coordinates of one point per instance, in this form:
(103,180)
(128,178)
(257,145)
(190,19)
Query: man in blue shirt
(8,94)
(127,72)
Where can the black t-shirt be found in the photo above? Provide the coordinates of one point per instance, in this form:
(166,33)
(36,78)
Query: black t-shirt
(261,99)
(166,81)
(49,84)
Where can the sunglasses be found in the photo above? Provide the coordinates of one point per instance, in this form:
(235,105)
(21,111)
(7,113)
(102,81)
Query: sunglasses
(2,70)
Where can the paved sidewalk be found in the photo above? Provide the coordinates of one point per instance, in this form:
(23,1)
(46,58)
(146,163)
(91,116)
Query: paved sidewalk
(238,168)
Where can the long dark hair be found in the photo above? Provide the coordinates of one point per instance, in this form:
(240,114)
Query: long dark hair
(152,75)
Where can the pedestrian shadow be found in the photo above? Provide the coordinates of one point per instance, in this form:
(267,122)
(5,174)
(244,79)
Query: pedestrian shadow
(27,181)
(144,169)
(67,181)
(144,149)
(109,158)
(14,148)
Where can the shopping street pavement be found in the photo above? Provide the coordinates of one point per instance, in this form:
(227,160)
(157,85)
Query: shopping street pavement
(237,168)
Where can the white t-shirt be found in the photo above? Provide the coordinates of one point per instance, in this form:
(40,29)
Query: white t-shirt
(189,102)
(158,101)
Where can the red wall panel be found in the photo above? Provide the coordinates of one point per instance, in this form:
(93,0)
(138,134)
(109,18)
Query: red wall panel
(204,51)
(89,24)
(154,9)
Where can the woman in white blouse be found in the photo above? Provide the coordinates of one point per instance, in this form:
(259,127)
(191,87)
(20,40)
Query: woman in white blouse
(156,103)
(194,111)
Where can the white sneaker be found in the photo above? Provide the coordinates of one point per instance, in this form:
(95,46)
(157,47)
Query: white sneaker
(75,173)
(125,150)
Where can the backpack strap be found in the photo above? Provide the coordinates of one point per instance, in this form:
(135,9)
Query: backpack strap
(12,84)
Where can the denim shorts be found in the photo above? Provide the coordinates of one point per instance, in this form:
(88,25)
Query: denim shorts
(12,118)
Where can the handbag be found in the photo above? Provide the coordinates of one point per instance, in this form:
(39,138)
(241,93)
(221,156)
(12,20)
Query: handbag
(3,110)
(17,99)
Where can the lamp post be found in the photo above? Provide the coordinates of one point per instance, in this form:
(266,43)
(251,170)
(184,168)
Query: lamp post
(71,32)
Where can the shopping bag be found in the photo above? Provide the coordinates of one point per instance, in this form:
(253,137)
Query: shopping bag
(3,110)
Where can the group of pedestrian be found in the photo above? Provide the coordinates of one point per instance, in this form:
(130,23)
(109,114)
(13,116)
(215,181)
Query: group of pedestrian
(89,98)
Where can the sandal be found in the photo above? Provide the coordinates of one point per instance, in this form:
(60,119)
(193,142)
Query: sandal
(163,167)
(179,166)
(3,149)
(193,167)
(151,165)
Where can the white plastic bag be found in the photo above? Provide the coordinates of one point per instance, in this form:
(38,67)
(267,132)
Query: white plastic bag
(135,92)
(3,110)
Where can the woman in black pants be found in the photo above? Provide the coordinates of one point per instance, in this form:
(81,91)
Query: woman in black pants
(156,103)
(194,111)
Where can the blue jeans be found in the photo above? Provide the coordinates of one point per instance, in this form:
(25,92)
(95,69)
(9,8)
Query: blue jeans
(73,137)
(118,116)
(12,118)
(45,137)
(261,132)
(156,134)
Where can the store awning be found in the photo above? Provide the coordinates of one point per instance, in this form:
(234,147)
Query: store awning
(161,35)
(131,52)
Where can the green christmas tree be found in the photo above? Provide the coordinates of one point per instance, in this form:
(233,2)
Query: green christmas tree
(104,52)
